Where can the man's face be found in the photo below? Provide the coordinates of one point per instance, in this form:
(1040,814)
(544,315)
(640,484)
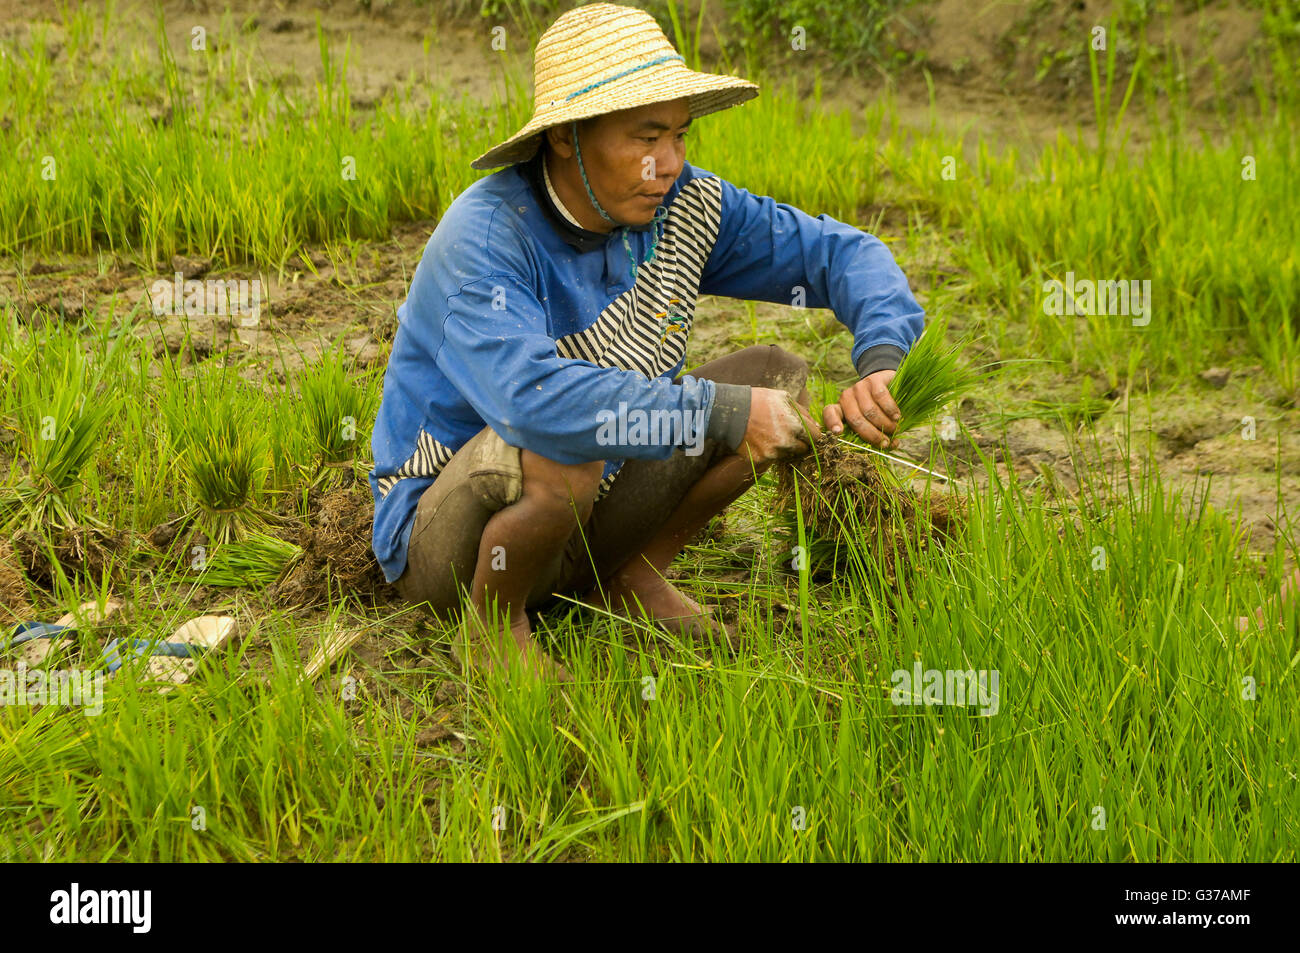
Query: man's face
(633,157)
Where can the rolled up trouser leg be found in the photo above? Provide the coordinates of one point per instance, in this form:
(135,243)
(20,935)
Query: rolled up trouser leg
(646,492)
(481,478)
(486,475)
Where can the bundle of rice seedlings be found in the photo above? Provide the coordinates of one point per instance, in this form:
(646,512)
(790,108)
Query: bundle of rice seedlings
(61,416)
(221,451)
(930,378)
(256,561)
(848,509)
(851,505)
(226,473)
(337,412)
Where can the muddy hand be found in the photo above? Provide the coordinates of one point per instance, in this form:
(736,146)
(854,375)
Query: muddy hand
(868,409)
(778,427)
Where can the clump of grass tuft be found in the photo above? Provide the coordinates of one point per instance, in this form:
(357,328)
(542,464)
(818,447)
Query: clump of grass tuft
(930,377)
(336,411)
(221,452)
(256,561)
(61,415)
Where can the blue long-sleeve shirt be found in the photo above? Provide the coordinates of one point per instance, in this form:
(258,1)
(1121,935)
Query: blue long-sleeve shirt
(520,321)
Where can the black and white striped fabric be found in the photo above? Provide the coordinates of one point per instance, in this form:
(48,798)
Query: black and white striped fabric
(645,329)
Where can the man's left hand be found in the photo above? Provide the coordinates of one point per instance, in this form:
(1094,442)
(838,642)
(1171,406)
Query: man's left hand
(868,409)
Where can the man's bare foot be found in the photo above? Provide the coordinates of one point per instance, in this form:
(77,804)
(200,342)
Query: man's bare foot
(651,597)
(1255,622)
(497,650)
(1287,593)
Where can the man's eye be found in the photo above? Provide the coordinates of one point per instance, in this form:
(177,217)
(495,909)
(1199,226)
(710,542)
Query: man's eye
(650,139)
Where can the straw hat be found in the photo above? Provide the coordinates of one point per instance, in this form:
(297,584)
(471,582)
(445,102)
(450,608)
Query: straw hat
(602,58)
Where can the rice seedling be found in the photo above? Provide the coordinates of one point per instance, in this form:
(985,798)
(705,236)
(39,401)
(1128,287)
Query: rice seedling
(141,488)
(1071,413)
(15,351)
(256,561)
(149,188)
(61,409)
(335,408)
(842,495)
(930,377)
(219,448)
(291,453)
(847,507)
(1170,255)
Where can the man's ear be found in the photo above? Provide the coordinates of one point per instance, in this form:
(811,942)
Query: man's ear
(560,140)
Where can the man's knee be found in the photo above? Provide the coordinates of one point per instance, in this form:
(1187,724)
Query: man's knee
(501,475)
(561,485)
(777,368)
(787,371)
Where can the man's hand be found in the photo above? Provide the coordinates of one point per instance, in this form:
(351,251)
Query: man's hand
(778,427)
(868,409)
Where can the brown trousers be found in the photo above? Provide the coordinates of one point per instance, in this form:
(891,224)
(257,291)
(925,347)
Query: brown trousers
(485,475)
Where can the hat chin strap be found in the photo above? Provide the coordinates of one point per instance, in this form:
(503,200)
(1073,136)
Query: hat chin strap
(582,169)
(660,212)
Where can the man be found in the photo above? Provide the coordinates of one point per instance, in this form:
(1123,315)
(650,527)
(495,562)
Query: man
(1287,595)
(534,437)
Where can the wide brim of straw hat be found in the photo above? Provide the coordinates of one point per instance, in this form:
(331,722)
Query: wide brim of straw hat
(604,58)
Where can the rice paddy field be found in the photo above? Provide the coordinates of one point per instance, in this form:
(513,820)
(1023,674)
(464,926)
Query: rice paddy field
(1069,544)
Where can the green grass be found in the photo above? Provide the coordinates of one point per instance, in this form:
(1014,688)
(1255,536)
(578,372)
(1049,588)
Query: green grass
(1178,211)
(1107,614)
(1119,688)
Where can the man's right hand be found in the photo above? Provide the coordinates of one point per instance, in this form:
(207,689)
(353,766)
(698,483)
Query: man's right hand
(778,427)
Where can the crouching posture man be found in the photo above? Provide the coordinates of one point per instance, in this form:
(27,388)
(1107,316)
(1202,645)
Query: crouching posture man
(535,436)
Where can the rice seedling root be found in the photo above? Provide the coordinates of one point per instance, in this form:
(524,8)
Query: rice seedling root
(336,551)
(846,499)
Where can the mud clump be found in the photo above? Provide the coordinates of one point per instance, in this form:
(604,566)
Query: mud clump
(848,504)
(336,554)
(82,550)
(834,480)
(14,607)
